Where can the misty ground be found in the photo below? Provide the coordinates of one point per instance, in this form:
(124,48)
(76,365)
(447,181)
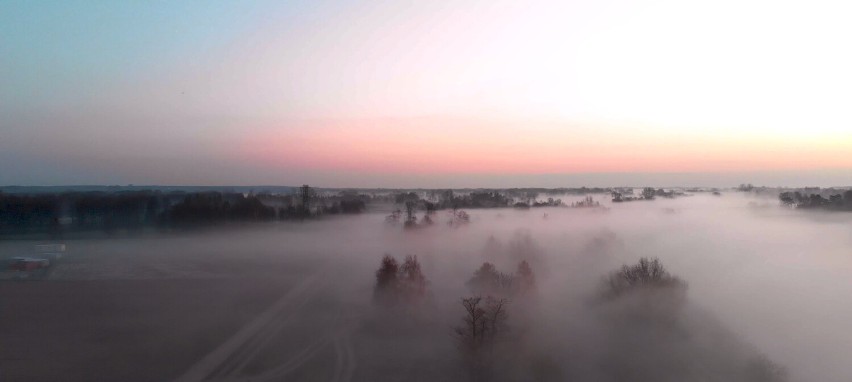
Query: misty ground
(293,301)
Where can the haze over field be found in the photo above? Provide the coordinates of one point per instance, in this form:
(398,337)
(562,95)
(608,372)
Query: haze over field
(759,285)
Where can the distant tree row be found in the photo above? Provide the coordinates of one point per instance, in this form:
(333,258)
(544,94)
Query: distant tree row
(133,210)
(411,221)
(410,202)
(550,202)
(836,202)
(448,199)
(204,208)
(648,193)
(587,202)
(307,203)
(53,213)
(789,194)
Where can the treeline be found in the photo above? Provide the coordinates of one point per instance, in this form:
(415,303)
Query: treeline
(790,192)
(834,202)
(648,193)
(134,210)
(449,199)
(82,211)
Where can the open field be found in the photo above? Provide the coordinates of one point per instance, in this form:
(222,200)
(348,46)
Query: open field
(291,301)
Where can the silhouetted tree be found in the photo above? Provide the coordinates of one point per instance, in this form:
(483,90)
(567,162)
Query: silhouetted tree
(834,202)
(488,281)
(787,199)
(306,197)
(386,291)
(352,206)
(402,198)
(412,282)
(448,199)
(410,214)
(483,324)
(589,202)
(397,284)
(530,196)
(648,273)
(212,207)
(525,278)
(650,294)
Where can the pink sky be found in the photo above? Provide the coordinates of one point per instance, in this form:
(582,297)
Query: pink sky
(421,93)
(456,145)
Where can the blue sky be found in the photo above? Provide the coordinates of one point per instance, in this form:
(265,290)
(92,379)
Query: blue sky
(54,49)
(389,93)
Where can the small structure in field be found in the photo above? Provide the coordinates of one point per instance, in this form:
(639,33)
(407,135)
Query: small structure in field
(28,264)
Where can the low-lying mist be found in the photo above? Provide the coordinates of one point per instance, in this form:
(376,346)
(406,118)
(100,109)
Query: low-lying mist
(762,294)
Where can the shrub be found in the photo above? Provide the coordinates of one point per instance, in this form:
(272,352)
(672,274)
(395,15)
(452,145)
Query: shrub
(648,273)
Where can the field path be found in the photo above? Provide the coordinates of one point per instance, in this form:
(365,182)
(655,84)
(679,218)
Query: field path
(281,371)
(227,360)
(346,358)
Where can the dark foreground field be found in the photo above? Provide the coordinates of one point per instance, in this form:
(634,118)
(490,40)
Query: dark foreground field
(204,307)
(120,330)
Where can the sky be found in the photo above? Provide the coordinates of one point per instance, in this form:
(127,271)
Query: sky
(426,94)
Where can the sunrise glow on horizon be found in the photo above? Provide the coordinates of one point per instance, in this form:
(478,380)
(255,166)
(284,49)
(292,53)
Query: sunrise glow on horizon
(442,93)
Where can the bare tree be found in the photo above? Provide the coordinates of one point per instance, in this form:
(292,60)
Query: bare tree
(657,296)
(646,273)
(496,317)
(483,325)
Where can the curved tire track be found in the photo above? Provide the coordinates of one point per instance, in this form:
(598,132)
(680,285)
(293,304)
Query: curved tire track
(347,354)
(235,353)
